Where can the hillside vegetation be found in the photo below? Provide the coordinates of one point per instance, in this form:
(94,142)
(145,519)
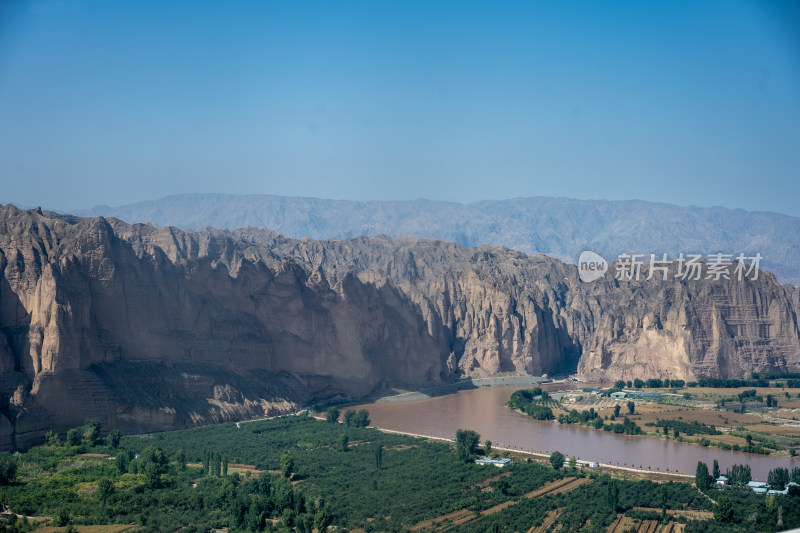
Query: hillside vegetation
(299,473)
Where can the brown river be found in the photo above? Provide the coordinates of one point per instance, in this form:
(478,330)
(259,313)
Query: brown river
(483,410)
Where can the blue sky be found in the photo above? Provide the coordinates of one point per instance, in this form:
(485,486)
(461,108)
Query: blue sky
(117,101)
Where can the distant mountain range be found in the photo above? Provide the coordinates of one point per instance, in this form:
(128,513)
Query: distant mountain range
(559,227)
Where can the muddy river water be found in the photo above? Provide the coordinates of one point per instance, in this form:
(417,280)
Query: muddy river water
(483,410)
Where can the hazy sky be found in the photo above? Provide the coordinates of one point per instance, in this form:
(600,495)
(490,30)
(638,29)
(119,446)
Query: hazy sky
(116,101)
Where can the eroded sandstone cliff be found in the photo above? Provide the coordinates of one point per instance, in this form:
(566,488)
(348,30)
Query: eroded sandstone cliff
(506,311)
(150,327)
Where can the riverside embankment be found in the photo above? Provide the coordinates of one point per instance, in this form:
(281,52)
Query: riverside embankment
(483,409)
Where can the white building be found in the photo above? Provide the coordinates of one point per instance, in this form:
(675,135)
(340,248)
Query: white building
(759,487)
(499,463)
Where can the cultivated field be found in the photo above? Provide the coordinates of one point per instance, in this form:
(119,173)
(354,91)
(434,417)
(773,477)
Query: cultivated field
(774,429)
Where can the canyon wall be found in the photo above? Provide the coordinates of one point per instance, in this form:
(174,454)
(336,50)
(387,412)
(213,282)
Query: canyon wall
(149,328)
(506,311)
(161,329)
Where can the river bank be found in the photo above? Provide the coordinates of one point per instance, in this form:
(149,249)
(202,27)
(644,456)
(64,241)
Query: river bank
(483,409)
(466,384)
(545,457)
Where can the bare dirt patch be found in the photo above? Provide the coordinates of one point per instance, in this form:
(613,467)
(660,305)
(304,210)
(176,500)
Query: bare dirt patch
(444,520)
(565,488)
(6,515)
(401,447)
(761,391)
(648,526)
(242,468)
(793,431)
(557,486)
(621,524)
(685,513)
(462,516)
(237,467)
(788,412)
(95,455)
(648,408)
(547,522)
(728,439)
(709,417)
(615,524)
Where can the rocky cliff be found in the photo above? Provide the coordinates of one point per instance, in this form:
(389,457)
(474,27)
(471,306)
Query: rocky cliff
(506,311)
(149,327)
(152,328)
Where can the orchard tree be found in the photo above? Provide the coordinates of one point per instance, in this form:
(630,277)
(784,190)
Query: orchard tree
(217,465)
(466,442)
(123,460)
(778,478)
(305,523)
(8,470)
(322,518)
(52,438)
(287,465)
(557,460)
(739,475)
(723,509)
(288,517)
(105,488)
(74,437)
(60,518)
(91,431)
(362,418)
(503,485)
(701,477)
(612,496)
(114,437)
(332,415)
(180,458)
(152,463)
